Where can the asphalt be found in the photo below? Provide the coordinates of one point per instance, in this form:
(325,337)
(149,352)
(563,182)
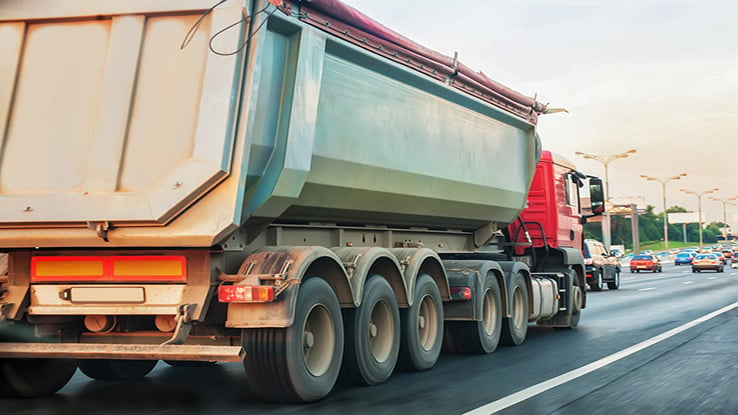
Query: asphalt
(693,373)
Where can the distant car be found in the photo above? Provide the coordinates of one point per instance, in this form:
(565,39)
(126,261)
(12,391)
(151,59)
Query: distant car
(734,263)
(707,261)
(728,253)
(645,263)
(600,267)
(683,258)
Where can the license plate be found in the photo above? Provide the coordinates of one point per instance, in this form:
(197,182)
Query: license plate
(103,295)
(642,267)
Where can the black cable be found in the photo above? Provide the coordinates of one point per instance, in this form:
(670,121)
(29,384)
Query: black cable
(191,33)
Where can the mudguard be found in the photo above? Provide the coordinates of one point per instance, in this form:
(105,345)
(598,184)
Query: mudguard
(295,262)
(360,262)
(470,273)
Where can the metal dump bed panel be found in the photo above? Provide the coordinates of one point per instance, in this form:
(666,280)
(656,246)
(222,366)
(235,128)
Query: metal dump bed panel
(115,136)
(105,118)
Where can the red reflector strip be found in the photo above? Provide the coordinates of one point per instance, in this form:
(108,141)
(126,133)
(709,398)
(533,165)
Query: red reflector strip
(141,268)
(460,293)
(245,294)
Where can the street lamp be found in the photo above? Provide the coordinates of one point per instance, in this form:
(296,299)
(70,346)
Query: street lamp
(725,218)
(699,206)
(663,200)
(606,160)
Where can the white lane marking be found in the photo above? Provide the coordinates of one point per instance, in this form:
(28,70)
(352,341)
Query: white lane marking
(647,289)
(628,278)
(712,278)
(534,390)
(688,282)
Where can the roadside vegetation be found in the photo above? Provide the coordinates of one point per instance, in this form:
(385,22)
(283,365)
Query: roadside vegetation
(651,231)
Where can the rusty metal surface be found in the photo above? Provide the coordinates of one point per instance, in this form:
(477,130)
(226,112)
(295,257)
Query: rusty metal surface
(122,351)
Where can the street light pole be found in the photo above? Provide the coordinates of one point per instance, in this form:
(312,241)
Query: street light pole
(663,200)
(606,160)
(699,207)
(725,216)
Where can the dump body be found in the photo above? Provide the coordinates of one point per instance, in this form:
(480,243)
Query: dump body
(144,143)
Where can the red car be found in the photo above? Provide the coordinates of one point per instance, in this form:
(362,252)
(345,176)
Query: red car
(645,263)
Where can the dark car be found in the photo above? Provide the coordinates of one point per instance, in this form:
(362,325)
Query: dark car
(645,263)
(683,258)
(600,267)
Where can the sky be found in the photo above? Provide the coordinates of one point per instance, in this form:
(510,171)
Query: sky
(657,76)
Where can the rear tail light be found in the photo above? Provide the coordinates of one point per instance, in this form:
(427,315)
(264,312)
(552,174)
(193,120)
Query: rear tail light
(245,293)
(142,268)
(460,293)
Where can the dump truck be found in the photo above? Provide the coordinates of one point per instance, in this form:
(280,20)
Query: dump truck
(286,184)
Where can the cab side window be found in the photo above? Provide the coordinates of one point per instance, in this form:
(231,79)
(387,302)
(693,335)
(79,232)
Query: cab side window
(572,192)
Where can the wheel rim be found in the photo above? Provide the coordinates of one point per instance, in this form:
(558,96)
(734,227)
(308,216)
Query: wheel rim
(427,323)
(489,312)
(318,340)
(577,299)
(381,332)
(518,317)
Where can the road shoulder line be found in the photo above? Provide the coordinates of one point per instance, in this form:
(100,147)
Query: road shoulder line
(534,390)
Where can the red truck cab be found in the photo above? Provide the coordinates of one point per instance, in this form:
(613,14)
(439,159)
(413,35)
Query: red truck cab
(556,205)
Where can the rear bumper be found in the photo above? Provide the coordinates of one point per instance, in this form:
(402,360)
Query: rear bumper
(122,351)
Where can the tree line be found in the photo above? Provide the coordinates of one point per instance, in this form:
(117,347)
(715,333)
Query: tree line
(651,229)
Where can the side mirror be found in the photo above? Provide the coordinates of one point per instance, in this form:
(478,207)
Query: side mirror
(594,204)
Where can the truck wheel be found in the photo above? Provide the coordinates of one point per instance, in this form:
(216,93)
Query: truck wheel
(515,327)
(422,327)
(615,283)
(372,333)
(299,363)
(111,369)
(578,299)
(481,337)
(597,284)
(33,378)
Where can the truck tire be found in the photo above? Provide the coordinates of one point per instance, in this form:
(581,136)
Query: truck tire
(481,337)
(422,327)
(299,363)
(597,285)
(33,378)
(578,298)
(110,369)
(515,327)
(372,333)
(615,283)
